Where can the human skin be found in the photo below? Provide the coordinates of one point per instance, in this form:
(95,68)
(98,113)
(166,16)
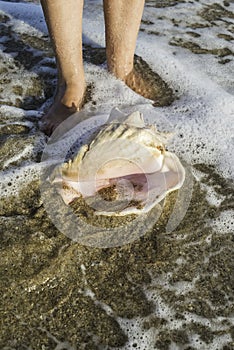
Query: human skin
(64,22)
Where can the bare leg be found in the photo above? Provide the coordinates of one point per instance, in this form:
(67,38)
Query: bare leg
(122,20)
(64,21)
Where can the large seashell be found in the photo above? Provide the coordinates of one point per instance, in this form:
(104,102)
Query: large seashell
(125,163)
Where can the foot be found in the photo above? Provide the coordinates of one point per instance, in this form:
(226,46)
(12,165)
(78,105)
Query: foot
(144,81)
(67,101)
(141,86)
(137,82)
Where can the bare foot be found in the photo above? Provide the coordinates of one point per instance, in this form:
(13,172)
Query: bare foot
(144,81)
(135,81)
(142,86)
(67,101)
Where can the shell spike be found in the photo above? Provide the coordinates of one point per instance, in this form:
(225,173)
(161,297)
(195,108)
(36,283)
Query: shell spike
(116,115)
(135,119)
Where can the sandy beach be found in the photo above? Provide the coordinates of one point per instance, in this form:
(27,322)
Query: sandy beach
(165,289)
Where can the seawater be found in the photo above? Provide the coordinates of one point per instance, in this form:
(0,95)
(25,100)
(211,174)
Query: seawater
(180,294)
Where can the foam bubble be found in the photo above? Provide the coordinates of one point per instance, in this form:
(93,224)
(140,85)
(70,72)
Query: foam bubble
(138,339)
(12,181)
(224,223)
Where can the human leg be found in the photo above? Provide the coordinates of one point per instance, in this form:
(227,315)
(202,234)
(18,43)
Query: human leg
(64,21)
(122,21)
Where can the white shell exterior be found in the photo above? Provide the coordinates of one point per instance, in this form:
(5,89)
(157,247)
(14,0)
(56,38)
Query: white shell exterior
(128,154)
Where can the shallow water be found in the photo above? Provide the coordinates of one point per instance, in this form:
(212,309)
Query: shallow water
(164,290)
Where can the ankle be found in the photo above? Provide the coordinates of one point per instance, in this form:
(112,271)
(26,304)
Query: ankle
(73,94)
(119,68)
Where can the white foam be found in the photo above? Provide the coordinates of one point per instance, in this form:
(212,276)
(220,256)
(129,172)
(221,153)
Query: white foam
(12,181)
(138,338)
(212,196)
(18,76)
(224,223)
(27,13)
(26,152)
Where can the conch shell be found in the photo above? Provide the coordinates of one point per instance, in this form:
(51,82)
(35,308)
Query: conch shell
(125,166)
